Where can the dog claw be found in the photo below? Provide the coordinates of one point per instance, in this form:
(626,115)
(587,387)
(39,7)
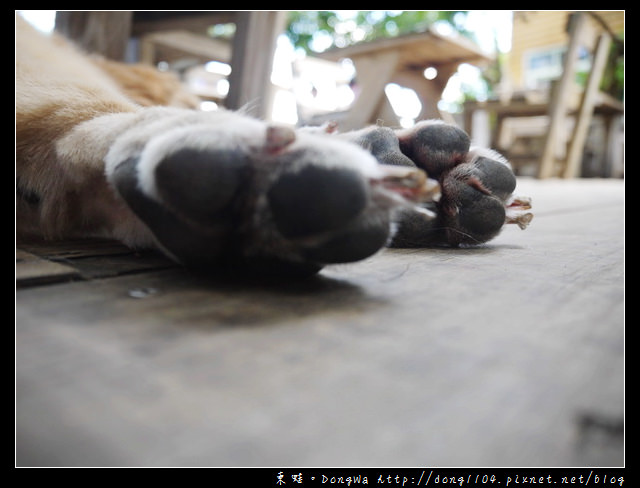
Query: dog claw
(410,183)
(520,202)
(516,212)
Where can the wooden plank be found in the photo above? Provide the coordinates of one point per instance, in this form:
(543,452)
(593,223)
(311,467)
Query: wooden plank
(605,104)
(45,262)
(31,270)
(508,354)
(184,44)
(418,49)
(145,22)
(110,266)
(75,248)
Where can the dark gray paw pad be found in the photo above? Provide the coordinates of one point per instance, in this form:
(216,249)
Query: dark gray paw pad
(480,221)
(496,176)
(435,147)
(315,200)
(383,144)
(199,184)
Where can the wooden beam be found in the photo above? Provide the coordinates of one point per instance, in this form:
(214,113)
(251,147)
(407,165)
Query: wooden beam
(561,94)
(254,46)
(183,42)
(147,22)
(585,114)
(105,33)
(373,72)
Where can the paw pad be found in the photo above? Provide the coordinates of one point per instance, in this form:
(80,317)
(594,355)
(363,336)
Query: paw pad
(199,184)
(435,147)
(316,199)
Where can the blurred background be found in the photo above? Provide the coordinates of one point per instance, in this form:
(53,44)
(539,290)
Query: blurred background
(546,88)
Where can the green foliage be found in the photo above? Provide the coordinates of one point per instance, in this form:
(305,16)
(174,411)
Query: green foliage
(315,31)
(613,77)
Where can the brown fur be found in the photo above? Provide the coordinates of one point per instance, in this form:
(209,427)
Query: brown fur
(146,85)
(62,192)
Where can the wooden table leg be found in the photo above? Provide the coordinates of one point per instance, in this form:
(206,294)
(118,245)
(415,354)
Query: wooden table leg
(373,72)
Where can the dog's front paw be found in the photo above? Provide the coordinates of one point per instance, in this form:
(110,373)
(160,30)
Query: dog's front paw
(222,190)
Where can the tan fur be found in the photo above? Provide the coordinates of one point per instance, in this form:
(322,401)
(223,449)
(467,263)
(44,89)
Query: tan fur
(146,85)
(62,135)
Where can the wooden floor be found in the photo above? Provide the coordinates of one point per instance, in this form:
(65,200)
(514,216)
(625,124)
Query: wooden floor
(510,354)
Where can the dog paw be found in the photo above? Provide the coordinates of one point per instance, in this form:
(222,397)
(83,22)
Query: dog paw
(476,196)
(223,190)
(476,185)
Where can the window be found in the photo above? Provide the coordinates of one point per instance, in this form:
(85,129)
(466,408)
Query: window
(541,66)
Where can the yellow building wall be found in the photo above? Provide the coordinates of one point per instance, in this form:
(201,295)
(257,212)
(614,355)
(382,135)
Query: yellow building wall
(539,29)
